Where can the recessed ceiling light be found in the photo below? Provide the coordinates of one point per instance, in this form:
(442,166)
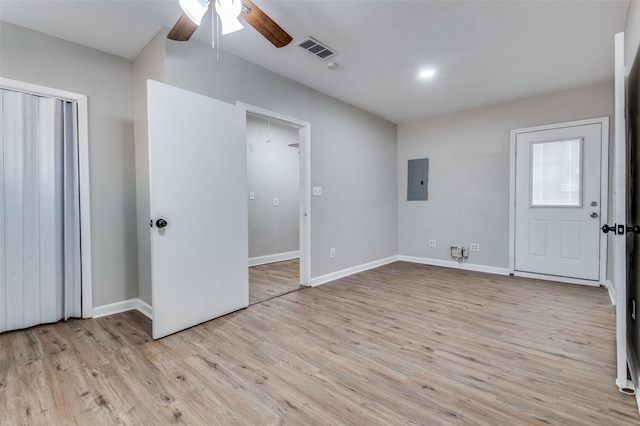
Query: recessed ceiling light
(427,73)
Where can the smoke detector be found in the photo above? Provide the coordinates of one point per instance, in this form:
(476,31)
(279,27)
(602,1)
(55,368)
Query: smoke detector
(320,50)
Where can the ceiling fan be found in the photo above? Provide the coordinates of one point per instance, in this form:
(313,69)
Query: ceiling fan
(228,11)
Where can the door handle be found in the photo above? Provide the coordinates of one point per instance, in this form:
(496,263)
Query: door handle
(161,223)
(594,215)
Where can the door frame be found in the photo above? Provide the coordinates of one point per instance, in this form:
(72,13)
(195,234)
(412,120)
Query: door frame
(304,220)
(83,175)
(604,199)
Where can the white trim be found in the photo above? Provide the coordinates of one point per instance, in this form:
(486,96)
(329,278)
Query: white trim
(272,258)
(566,280)
(512,202)
(455,265)
(612,292)
(305,184)
(604,195)
(35,89)
(323,279)
(123,306)
(83,168)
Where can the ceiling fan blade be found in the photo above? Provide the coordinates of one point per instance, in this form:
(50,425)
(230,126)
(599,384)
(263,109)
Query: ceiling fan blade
(183,29)
(259,20)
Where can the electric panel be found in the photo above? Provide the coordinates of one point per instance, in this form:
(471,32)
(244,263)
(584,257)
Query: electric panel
(418,178)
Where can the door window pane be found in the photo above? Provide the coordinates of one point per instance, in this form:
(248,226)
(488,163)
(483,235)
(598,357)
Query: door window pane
(556,173)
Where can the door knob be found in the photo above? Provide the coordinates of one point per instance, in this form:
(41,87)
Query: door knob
(161,223)
(607,228)
(594,215)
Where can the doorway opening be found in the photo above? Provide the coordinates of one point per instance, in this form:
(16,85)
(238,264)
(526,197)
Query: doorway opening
(278,176)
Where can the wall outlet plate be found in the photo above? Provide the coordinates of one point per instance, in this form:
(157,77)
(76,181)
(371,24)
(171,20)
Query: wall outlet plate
(252,195)
(332,253)
(276,202)
(432,243)
(474,247)
(317,191)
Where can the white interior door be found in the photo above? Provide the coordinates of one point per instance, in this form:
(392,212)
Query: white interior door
(558,201)
(198,185)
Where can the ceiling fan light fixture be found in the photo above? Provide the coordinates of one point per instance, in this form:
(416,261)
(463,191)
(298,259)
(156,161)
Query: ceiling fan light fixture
(228,11)
(231,25)
(194,9)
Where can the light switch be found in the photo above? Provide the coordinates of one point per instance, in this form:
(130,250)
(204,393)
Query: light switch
(275,202)
(317,191)
(252,195)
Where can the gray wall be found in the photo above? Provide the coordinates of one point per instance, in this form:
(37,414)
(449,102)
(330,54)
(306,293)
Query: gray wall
(353,153)
(469,172)
(107,81)
(150,64)
(273,171)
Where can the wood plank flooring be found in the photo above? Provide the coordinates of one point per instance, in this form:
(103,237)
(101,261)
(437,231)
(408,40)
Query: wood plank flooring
(273,279)
(401,344)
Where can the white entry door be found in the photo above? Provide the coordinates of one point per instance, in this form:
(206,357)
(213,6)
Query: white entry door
(558,200)
(198,185)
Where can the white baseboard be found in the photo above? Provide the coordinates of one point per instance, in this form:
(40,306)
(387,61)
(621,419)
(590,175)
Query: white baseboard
(124,306)
(271,258)
(455,265)
(145,309)
(323,279)
(612,291)
(115,308)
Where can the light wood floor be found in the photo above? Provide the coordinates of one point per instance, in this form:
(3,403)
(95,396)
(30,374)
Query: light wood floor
(401,344)
(273,279)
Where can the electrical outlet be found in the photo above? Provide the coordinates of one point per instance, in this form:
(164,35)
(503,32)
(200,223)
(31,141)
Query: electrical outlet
(317,191)
(276,202)
(475,247)
(252,195)
(332,253)
(432,243)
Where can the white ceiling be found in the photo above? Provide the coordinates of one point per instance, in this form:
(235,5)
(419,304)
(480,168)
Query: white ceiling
(485,51)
